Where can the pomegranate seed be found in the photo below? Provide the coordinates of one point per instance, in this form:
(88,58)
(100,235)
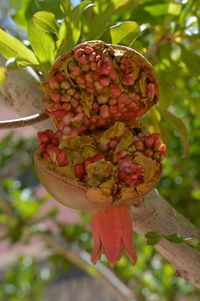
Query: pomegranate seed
(104,112)
(104,81)
(53,83)
(115,90)
(88,49)
(55,96)
(83,59)
(92,57)
(79,52)
(59,77)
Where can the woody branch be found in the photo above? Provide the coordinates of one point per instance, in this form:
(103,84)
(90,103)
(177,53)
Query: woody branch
(154,213)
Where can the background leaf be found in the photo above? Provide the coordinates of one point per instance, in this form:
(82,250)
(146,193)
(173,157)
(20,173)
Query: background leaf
(12,47)
(43,46)
(70,29)
(46,21)
(179,126)
(125,31)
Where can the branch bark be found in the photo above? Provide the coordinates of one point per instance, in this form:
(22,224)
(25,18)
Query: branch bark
(21,93)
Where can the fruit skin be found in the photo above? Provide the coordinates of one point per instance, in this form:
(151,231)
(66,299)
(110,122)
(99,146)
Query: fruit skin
(112,233)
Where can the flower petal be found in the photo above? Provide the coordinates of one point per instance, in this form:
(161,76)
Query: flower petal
(112,229)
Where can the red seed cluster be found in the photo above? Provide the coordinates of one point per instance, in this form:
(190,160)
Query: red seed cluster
(151,146)
(96,88)
(80,169)
(130,173)
(49,148)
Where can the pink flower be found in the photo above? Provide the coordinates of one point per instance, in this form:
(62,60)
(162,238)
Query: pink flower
(112,233)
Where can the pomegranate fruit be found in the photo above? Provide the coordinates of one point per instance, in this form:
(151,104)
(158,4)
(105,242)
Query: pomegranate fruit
(100,158)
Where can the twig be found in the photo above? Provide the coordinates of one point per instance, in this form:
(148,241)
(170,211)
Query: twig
(25,121)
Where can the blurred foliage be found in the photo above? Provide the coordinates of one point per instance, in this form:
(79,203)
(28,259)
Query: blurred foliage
(167,33)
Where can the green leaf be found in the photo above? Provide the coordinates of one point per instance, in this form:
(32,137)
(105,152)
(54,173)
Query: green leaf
(119,3)
(178,125)
(25,12)
(3,76)
(70,29)
(157,10)
(46,21)
(191,59)
(174,9)
(126,31)
(176,237)
(11,47)
(153,238)
(43,46)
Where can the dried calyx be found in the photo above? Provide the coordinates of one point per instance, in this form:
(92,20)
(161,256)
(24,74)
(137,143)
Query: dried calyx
(100,157)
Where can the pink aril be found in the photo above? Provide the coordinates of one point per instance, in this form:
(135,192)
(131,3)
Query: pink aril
(112,144)
(42,147)
(80,171)
(104,112)
(89,77)
(80,79)
(123,98)
(59,77)
(162,148)
(112,101)
(104,81)
(67,118)
(79,52)
(90,85)
(98,58)
(113,74)
(100,123)
(59,114)
(148,152)
(127,80)
(66,98)
(126,62)
(53,83)
(113,109)
(115,90)
(71,91)
(78,117)
(92,56)
(55,96)
(77,95)
(89,50)
(78,109)
(66,107)
(74,102)
(95,106)
(93,66)
(93,120)
(106,68)
(86,67)
(83,59)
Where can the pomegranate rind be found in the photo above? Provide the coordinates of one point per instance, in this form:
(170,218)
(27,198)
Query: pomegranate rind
(73,194)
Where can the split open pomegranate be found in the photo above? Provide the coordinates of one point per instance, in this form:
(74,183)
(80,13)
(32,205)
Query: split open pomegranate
(100,158)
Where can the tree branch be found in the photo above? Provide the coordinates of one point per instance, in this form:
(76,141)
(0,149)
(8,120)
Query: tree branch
(21,122)
(152,214)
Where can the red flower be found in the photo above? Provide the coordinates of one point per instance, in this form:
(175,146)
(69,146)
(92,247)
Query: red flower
(112,233)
